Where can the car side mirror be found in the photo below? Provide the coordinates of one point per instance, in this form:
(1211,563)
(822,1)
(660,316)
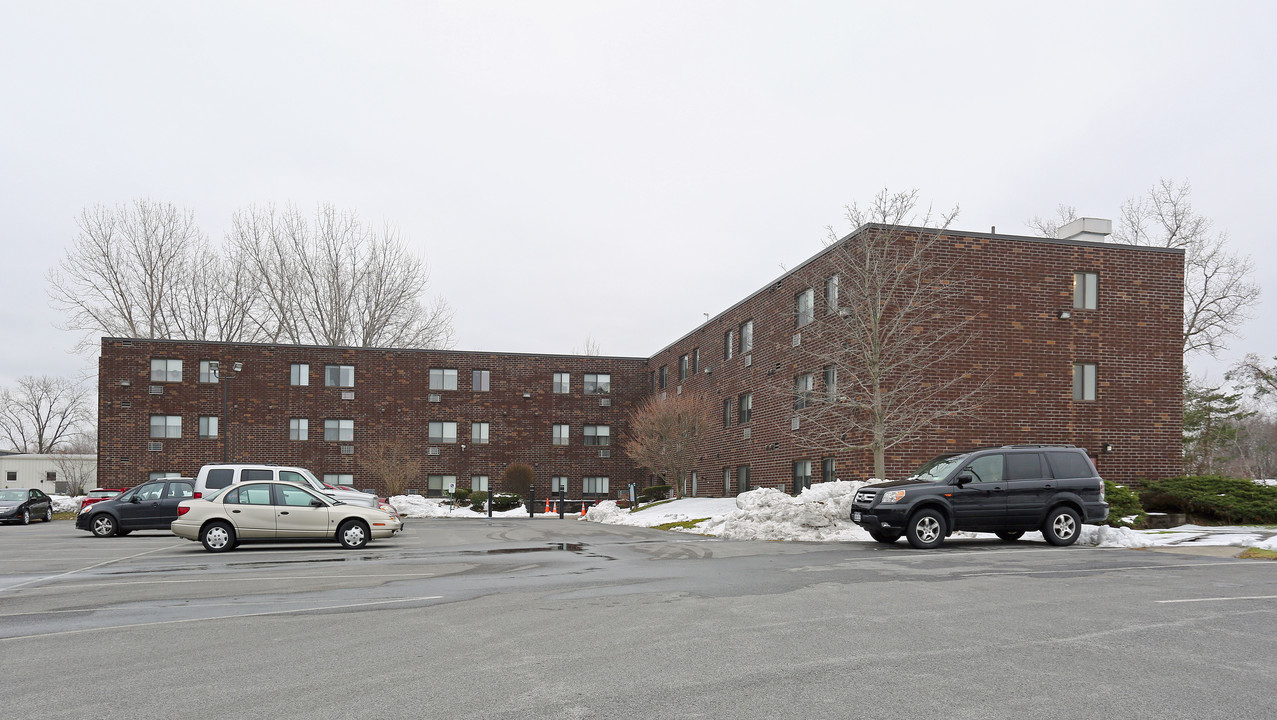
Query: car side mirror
(964,478)
(316,503)
(133,499)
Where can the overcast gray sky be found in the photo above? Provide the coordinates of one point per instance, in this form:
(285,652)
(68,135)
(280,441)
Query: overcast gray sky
(620,168)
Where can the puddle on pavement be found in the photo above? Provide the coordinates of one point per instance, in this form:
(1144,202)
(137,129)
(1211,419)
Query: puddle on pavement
(569,547)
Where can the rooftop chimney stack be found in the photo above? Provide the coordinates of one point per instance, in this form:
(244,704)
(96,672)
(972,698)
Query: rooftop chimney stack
(1086,230)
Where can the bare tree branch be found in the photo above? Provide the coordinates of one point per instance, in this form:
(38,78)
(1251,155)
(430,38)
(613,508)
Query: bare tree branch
(42,413)
(887,345)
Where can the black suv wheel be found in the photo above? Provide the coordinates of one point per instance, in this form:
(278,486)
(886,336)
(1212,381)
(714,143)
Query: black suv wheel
(926,529)
(1062,526)
(886,537)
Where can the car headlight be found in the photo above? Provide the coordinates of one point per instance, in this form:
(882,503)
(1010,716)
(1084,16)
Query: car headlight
(892,496)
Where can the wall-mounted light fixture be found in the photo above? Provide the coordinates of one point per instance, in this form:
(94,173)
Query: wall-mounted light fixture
(1065,314)
(1106,447)
(526,394)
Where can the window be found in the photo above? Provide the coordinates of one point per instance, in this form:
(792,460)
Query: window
(1084,381)
(802,391)
(437,485)
(802,475)
(299,374)
(727,412)
(166,426)
(11,476)
(293,496)
(727,481)
(744,405)
(479,483)
(208,371)
(598,435)
(696,360)
(339,375)
(480,380)
(742,478)
(803,303)
(665,376)
(562,383)
(727,345)
(746,337)
(443,432)
(479,433)
(594,486)
(208,428)
(166,370)
(560,435)
(339,430)
(827,468)
(831,294)
(986,469)
(51,477)
(1085,290)
(251,495)
(1065,465)
(598,384)
(559,484)
(1025,466)
(219,478)
(831,383)
(684,364)
(443,379)
(298,429)
(340,479)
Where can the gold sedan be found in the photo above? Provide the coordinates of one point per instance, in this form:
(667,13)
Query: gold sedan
(272,511)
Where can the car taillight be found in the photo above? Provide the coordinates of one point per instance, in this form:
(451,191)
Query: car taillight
(198,495)
(182,509)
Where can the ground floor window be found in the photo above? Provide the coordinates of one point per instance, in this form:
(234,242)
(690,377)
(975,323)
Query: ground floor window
(437,484)
(479,483)
(802,475)
(594,485)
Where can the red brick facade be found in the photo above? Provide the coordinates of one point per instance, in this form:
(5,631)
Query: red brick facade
(1014,289)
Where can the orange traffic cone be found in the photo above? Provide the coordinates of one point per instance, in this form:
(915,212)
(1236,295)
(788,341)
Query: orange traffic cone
(547,506)
(582,508)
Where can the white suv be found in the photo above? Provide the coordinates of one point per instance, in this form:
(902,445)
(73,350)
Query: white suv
(217,476)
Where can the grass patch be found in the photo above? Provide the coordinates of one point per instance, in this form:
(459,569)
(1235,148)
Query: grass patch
(685,524)
(652,505)
(1259,554)
(65,515)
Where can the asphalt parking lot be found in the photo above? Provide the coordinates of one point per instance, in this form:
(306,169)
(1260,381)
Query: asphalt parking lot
(565,619)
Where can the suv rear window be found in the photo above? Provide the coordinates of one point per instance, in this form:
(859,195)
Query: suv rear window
(218,479)
(1065,465)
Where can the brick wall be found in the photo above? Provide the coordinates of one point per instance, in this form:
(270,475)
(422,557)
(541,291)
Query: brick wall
(1013,289)
(391,398)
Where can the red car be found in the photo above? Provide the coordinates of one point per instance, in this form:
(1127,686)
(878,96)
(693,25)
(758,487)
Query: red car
(97,495)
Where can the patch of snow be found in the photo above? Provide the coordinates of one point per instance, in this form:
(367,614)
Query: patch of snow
(417,506)
(66,503)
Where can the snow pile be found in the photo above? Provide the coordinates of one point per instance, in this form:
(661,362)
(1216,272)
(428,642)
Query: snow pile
(607,513)
(822,513)
(682,510)
(1269,544)
(1106,536)
(417,506)
(64,503)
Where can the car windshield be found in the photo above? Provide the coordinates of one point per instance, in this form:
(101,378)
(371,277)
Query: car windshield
(936,469)
(13,495)
(310,477)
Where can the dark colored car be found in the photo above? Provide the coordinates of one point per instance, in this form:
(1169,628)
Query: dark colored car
(97,495)
(149,506)
(19,505)
(1007,491)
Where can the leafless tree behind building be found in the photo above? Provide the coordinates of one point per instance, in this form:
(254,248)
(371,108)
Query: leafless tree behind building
(42,414)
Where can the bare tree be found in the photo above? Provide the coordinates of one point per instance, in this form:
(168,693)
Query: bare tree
(1219,290)
(591,347)
(1050,227)
(665,434)
(334,281)
(80,473)
(41,414)
(394,462)
(1251,374)
(887,344)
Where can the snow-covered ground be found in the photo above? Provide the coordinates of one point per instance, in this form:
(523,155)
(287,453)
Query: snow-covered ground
(822,514)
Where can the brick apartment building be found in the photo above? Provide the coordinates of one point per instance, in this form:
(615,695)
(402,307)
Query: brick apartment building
(1073,341)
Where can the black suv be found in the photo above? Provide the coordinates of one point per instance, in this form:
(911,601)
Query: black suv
(1006,490)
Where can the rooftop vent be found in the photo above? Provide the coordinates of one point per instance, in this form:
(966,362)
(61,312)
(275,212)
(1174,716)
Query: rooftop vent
(1086,230)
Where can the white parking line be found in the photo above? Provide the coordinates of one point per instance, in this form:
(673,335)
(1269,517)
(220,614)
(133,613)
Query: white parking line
(294,611)
(1228,563)
(90,567)
(1219,599)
